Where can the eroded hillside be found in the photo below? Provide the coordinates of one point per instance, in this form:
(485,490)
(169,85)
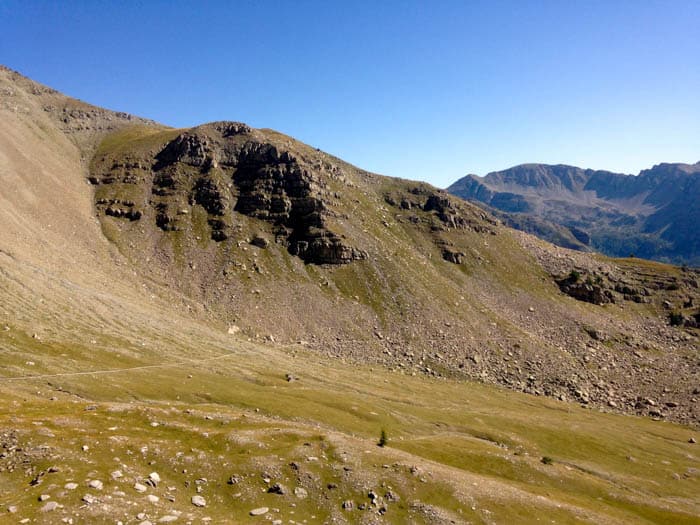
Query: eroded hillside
(252,224)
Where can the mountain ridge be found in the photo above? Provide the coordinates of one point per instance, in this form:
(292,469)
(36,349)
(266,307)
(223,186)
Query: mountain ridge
(649,215)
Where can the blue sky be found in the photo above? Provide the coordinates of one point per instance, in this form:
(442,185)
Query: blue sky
(420,90)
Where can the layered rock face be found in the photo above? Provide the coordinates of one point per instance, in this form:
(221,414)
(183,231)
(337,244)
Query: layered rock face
(289,244)
(225,170)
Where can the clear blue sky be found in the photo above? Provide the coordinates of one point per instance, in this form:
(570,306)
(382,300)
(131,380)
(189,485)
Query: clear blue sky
(421,90)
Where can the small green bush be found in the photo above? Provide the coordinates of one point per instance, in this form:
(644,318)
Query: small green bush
(383,439)
(547,460)
(675,318)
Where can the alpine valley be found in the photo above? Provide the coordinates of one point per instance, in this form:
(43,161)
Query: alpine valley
(222,324)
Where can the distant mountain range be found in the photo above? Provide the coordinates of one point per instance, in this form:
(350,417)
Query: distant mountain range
(653,215)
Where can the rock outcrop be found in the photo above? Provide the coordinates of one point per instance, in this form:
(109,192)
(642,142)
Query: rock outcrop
(587,290)
(225,169)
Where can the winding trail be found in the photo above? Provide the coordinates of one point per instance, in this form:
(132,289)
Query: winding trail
(116,370)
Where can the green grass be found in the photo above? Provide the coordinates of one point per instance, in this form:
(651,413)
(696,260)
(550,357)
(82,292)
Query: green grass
(460,433)
(137,136)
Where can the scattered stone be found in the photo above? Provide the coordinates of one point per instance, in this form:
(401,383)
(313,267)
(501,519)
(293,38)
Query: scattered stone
(70,486)
(116,474)
(154,477)
(85,448)
(453,256)
(49,507)
(89,499)
(391,496)
(300,492)
(348,504)
(290,377)
(260,241)
(44,497)
(37,480)
(95,484)
(152,498)
(278,488)
(140,487)
(199,501)
(259,511)
(167,519)
(12,509)
(692,440)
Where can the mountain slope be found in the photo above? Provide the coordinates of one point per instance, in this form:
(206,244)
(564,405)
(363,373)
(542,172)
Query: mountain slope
(650,215)
(259,234)
(298,307)
(252,223)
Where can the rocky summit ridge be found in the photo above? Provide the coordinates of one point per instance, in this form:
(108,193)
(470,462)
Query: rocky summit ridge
(651,215)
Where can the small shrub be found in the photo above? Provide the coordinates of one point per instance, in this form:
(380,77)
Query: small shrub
(592,332)
(383,439)
(675,318)
(547,460)
(574,276)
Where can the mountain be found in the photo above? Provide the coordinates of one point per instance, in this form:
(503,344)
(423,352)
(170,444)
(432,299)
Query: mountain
(220,322)
(651,215)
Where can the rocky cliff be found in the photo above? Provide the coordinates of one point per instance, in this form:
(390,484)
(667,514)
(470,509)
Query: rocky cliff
(224,169)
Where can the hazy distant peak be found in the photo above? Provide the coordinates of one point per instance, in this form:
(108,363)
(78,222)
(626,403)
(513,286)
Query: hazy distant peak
(652,215)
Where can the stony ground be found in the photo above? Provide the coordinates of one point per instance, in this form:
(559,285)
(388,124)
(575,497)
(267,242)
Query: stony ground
(233,439)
